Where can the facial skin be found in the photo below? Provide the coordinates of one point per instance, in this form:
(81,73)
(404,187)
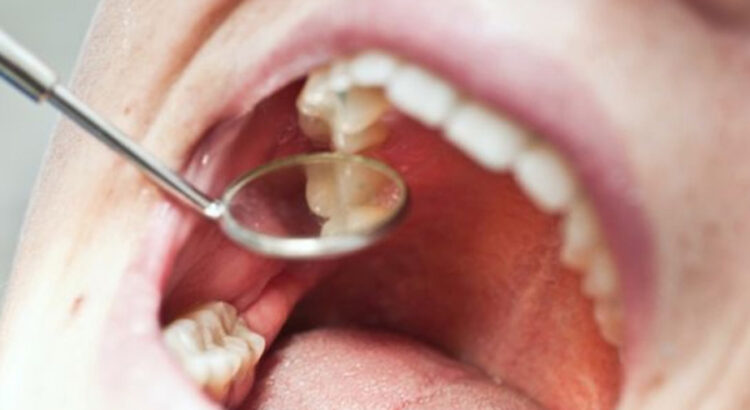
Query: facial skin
(671,77)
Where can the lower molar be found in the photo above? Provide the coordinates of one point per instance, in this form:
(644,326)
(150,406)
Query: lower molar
(217,349)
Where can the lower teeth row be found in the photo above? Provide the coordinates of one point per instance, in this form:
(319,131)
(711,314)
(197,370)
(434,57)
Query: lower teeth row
(216,349)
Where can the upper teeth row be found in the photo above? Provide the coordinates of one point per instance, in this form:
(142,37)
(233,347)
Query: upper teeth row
(346,99)
(216,349)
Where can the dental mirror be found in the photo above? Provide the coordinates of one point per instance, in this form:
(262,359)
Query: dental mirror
(306,206)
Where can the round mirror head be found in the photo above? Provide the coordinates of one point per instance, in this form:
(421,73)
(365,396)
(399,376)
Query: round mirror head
(314,205)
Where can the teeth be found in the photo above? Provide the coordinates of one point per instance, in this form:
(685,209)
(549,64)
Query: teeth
(361,108)
(580,235)
(546,179)
(356,219)
(372,69)
(340,80)
(490,139)
(600,282)
(422,95)
(215,348)
(321,191)
(341,106)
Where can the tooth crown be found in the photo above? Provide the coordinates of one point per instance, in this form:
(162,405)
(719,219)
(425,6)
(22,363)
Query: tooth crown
(342,103)
(215,347)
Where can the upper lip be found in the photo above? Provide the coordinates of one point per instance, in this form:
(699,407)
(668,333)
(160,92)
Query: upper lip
(536,90)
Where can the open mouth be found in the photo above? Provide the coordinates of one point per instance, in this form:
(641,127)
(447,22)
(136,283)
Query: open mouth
(504,287)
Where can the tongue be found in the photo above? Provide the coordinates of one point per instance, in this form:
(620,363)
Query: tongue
(337,368)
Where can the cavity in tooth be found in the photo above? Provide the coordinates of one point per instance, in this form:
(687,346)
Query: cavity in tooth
(357,184)
(580,235)
(360,108)
(600,282)
(608,316)
(421,94)
(545,178)
(339,79)
(372,69)
(491,140)
(224,351)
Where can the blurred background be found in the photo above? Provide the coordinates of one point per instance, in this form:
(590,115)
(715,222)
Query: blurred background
(54,30)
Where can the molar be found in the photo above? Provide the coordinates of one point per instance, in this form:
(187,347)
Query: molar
(215,348)
(546,179)
(421,94)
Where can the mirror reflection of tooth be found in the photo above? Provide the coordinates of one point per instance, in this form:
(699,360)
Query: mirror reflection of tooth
(358,185)
(336,225)
(360,108)
(321,190)
(365,218)
(370,137)
(354,220)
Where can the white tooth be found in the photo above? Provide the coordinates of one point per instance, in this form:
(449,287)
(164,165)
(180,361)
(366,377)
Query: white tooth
(355,219)
(353,143)
(361,107)
(321,190)
(317,99)
(255,341)
(222,366)
(608,316)
(228,356)
(580,235)
(340,80)
(198,368)
(372,68)
(336,225)
(226,313)
(421,94)
(358,185)
(491,140)
(210,327)
(364,218)
(600,282)
(545,178)
(183,337)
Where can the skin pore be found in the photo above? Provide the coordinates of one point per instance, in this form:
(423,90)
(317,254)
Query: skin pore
(670,77)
